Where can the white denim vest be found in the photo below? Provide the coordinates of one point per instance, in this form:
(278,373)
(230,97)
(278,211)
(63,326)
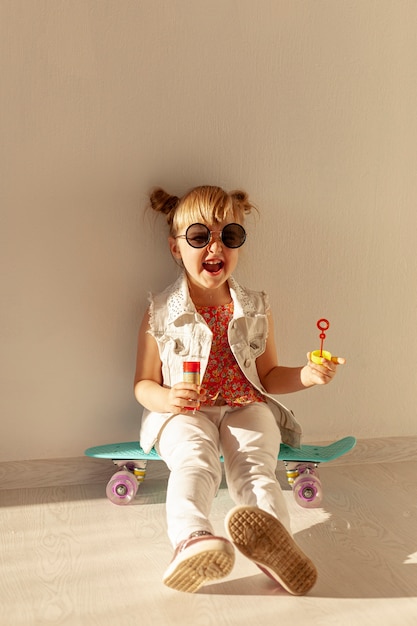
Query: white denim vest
(183,335)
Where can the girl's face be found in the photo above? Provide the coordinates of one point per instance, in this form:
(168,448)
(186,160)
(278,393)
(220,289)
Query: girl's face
(210,267)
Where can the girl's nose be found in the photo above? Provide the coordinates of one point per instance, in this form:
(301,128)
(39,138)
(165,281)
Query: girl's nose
(215,240)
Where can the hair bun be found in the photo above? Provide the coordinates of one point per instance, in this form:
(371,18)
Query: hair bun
(241,199)
(163,202)
(240,196)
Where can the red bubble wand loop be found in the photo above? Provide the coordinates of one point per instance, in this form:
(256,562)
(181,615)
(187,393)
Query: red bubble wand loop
(318,355)
(322,325)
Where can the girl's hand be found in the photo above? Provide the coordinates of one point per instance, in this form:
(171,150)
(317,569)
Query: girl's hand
(313,374)
(185,396)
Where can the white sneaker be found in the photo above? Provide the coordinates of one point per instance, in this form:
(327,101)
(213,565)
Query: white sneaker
(198,560)
(265,541)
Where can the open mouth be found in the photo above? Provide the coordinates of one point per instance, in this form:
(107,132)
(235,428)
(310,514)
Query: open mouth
(213,266)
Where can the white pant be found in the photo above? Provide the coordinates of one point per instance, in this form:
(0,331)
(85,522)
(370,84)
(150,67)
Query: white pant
(191,444)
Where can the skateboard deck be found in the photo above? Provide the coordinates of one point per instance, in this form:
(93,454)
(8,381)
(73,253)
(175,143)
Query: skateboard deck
(132,451)
(301,468)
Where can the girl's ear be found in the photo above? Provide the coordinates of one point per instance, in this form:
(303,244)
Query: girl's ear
(173,246)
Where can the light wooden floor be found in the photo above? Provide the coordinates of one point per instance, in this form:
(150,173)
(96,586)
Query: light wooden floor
(68,556)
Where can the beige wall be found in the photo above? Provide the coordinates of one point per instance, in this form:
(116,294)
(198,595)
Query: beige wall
(309,105)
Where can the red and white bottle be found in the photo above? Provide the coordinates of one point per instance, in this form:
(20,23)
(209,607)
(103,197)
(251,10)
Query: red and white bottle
(191,374)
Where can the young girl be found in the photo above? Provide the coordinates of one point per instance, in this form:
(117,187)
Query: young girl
(206,316)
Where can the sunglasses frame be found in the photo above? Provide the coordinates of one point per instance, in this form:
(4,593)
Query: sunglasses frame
(210,235)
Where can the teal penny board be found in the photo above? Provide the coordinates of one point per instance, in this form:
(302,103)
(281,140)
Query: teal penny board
(301,466)
(132,451)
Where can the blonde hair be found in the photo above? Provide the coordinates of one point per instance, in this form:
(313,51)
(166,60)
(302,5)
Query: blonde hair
(207,204)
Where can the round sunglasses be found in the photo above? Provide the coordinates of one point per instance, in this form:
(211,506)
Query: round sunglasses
(199,235)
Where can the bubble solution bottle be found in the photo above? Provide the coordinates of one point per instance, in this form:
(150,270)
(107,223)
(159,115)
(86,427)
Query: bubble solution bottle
(191,374)
(191,370)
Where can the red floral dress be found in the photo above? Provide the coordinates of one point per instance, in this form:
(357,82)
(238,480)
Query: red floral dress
(223,376)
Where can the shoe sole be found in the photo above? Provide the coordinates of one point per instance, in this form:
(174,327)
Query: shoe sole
(190,571)
(265,541)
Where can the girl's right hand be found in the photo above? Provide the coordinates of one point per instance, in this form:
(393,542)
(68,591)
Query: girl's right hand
(185,396)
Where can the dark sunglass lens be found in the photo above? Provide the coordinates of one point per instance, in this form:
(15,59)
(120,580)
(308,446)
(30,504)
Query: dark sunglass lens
(197,235)
(233,235)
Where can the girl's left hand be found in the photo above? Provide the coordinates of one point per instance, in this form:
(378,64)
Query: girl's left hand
(313,374)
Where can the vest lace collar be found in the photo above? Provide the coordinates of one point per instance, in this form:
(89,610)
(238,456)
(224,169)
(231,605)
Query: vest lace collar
(180,303)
